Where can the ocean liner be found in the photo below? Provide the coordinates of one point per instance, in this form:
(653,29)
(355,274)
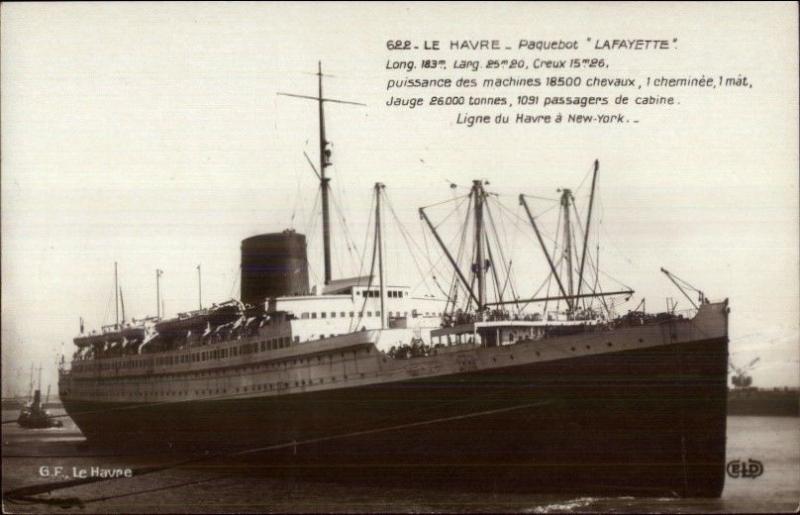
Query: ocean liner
(476,386)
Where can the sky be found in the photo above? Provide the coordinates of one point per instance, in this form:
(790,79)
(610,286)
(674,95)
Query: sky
(152,135)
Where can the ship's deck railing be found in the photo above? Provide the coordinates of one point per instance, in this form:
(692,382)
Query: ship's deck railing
(470,334)
(687,313)
(422,349)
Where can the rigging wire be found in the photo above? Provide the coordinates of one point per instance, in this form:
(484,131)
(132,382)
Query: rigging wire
(512,248)
(355,322)
(434,265)
(366,239)
(579,232)
(572,233)
(537,197)
(404,234)
(526,223)
(311,232)
(108,307)
(444,220)
(559,261)
(349,240)
(506,264)
(589,172)
(496,279)
(520,225)
(547,281)
(298,195)
(462,255)
(445,201)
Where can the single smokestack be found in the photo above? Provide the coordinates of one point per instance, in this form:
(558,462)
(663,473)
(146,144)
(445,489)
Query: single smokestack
(273,265)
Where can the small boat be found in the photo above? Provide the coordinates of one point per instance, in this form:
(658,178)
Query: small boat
(34,416)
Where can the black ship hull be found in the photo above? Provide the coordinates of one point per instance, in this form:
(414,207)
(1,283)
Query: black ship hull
(650,421)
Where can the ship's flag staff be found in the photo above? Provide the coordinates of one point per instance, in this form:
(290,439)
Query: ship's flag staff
(588,225)
(30,388)
(379,245)
(158,292)
(116,296)
(122,305)
(324,162)
(199,288)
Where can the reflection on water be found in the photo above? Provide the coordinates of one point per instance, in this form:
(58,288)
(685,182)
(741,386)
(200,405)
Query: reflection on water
(33,456)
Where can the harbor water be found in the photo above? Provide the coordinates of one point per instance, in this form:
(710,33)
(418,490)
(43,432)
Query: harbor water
(33,456)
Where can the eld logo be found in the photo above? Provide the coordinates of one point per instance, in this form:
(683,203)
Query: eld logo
(750,468)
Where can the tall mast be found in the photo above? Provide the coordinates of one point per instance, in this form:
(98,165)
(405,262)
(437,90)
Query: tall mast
(324,162)
(565,197)
(379,244)
(480,270)
(116,296)
(588,225)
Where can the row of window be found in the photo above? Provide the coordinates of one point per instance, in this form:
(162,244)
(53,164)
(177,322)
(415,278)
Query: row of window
(88,386)
(246,348)
(342,314)
(222,391)
(394,294)
(284,364)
